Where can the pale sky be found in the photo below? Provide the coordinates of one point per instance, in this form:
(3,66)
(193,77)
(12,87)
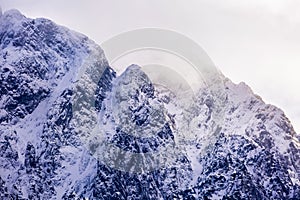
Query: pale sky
(255,41)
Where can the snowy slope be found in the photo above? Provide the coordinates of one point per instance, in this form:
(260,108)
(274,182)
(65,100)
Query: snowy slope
(48,152)
(39,61)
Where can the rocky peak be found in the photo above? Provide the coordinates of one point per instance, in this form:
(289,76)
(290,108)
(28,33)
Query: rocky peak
(250,152)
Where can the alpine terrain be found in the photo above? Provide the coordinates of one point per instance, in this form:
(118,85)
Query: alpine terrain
(227,144)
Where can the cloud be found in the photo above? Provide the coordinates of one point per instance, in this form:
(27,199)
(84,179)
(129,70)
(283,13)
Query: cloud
(255,41)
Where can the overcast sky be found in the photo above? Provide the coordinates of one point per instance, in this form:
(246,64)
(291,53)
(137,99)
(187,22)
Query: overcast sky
(255,41)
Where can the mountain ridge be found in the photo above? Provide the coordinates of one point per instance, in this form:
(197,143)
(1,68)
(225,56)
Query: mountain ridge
(255,154)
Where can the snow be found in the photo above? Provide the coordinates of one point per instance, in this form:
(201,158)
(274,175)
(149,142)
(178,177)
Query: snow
(224,114)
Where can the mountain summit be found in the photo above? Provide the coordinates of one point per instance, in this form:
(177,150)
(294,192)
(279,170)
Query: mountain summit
(141,148)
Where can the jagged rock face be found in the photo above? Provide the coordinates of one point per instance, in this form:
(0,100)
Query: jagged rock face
(35,55)
(42,156)
(39,60)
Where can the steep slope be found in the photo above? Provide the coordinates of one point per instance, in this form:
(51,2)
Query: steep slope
(148,152)
(39,61)
(257,154)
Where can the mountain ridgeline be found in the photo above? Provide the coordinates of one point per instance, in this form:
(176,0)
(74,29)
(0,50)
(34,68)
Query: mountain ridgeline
(256,154)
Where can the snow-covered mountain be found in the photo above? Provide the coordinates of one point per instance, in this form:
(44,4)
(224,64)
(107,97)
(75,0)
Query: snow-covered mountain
(47,150)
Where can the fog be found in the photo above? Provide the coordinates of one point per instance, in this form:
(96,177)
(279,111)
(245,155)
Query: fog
(255,41)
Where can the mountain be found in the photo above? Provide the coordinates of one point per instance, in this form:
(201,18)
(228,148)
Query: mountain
(141,147)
